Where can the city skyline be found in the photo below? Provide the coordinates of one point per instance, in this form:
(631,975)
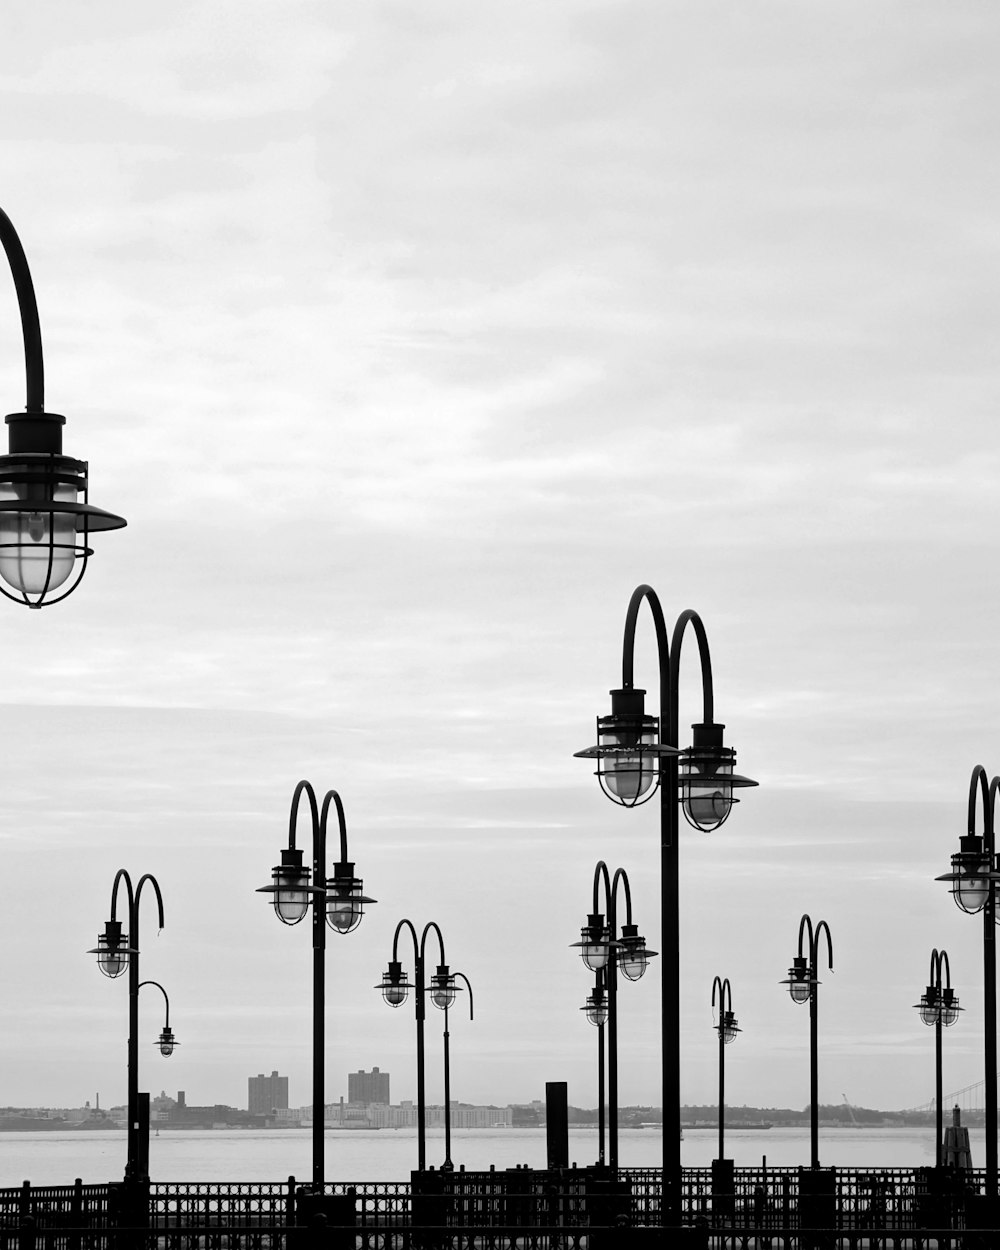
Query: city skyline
(409,343)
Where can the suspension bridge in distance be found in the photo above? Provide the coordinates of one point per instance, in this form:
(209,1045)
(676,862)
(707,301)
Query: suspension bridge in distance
(971,1099)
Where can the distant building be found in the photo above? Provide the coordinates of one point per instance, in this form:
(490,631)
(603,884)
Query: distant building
(267,1093)
(366,1087)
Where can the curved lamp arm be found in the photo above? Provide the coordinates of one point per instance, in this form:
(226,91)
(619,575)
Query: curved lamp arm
(333,797)
(166,1000)
(303,787)
(468,986)
(725,994)
(30,327)
(423,940)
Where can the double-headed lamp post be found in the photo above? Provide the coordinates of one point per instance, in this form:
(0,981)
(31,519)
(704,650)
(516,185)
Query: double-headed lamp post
(443,994)
(636,754)
(973,881)
(803,986)
(117,951)
(602,953)
(338,901)
(727,1027)
(395,987)
(46,518)
(938,1008)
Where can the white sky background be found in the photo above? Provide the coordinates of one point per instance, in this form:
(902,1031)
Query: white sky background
(409,339)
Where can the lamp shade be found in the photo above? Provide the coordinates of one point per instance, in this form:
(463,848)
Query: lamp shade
(595,943)
(345,898)
(443,988)
(706,778)
(800,983)
(289,889)
(633,955)
(728,1027)
(596,1008)
(112,949)
(166,1042)
(627,752)
(394,984)
(972,875)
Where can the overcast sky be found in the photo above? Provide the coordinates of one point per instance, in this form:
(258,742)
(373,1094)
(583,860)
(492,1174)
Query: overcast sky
(410,338)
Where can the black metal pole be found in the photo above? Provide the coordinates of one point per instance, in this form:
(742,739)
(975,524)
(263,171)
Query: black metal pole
(612,979)
(30,328)
(990,996)
(722,1090)
(132,1162)
(447,1094)
(421,1106)
(938,1087)
(814,1059)
(319,1008)
(600,1095)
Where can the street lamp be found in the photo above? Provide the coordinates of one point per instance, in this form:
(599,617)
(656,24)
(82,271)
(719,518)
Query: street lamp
(443,993)
(973,877)
(635,753)
(338,901)
(115,953)
(603,954)
(727,1027)
(166,1041)
(395,988)
(938,1008)
(803,987)
(46,518)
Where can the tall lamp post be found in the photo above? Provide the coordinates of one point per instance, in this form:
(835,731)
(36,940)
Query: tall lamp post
(443,993)
(803,986)
(727,1028)
(395,987)
(46,518)
(602,953)
(938,1008)
(633,752)
(338,901)
(973,879)
(117,951)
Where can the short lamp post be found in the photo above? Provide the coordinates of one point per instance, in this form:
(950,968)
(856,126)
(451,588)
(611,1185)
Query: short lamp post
(938,1009)
(973,882)
(395,988)
(46,518)
(443,994)
(636,754)
(727,1028)
(596,1012)
(803,986)
(605,954)
(338,901)
(116,952)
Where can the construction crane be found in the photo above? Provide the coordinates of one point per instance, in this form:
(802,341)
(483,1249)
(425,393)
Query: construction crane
(850,1109)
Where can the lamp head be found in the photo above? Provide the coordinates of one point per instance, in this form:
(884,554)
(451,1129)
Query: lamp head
(595,943)
(707,779)
(972,875)
(345,898)
(800,983)
(289,889)
(596,1007)
(627,751)
(394,984)
(112,949)
(166,1042)
(633,955)
(443,988)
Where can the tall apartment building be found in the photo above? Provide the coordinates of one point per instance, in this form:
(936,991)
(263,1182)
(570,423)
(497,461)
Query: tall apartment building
(370,1086)
(267,1093)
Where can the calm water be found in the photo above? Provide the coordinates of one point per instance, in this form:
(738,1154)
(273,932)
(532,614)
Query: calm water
(56,1158)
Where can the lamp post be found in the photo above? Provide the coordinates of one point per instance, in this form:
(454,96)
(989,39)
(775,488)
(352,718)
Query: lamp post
(938,1008)
(803,986)
(973,879)
(602,953)
(395,987)
(46,518)
(633,752)
(443,992)
(117,951)
(596,1009)
(727,1028)
(338,901)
